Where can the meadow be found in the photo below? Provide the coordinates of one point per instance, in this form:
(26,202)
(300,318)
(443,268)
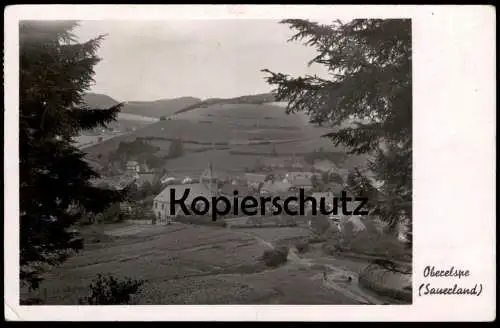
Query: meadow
(187,264)
(233,136)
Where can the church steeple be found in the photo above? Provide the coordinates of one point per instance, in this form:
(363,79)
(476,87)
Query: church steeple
(208,178)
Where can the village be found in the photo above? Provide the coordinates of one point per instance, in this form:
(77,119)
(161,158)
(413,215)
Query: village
(272,177)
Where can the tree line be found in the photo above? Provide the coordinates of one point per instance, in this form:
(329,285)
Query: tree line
(370,65)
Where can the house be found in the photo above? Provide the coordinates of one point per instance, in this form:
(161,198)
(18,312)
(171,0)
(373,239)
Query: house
(206,187)
(301,183)
(132,166)
(290,176)
(275,187)
(145,177)
(273,162)
(243,189)
(161,203)
(169,179)
(255,179)
(325,165)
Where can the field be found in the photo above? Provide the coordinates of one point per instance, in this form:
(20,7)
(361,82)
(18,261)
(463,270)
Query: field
(191,265)
(233,136)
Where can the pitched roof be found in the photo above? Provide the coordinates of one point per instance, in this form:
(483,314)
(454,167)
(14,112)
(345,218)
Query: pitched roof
(195,190)
(299,175)
(276,187)
(242,189)
(301,182)
(255,177)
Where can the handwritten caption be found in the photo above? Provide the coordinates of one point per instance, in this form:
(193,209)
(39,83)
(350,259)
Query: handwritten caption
(429,289)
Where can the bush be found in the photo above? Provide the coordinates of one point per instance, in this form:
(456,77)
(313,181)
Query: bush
(275,257)
(111,291)
(302,247)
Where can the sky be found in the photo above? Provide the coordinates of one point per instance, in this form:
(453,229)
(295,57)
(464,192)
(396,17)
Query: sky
(151,60)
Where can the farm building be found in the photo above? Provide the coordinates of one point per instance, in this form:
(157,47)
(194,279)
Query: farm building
(255,179)
(206,187)
(161,204)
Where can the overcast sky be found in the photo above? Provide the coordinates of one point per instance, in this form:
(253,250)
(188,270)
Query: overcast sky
(199,58)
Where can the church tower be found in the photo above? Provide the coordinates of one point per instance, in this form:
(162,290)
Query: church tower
(208,178)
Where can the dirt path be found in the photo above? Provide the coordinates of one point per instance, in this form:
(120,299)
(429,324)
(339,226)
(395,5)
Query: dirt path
(334,277)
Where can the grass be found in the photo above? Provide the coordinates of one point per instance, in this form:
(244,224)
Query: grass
(233,123)
(186,265)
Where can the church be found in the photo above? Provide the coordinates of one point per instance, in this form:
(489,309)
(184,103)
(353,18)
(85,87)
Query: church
(206,186)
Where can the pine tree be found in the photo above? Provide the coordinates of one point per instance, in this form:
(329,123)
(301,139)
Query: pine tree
(369,61)
(55,71)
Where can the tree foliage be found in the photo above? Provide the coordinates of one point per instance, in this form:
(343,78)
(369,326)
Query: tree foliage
(176,149)
(109,290)
(369,64)
(55,71)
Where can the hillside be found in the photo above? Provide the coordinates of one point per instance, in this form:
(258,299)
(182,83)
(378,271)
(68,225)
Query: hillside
(249,99)
(157,108)
(234,137)
(99,101)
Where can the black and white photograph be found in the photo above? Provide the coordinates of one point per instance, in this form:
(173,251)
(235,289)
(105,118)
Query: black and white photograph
(115,115)
(221,161)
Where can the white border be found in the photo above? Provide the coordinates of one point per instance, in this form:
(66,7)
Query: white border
(454,159)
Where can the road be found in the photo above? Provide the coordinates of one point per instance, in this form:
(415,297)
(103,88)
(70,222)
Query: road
(334,277)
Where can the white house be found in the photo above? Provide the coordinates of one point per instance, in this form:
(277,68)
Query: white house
(133,166)
(255,179)
(161,204)
(206,187)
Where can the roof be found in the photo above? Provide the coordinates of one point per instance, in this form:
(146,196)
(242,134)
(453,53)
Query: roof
(195,190)
(299,175)
(276,187)
(242,189)
(255,177)
(325,165)
(145,177)
(270,161)
(301,182)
